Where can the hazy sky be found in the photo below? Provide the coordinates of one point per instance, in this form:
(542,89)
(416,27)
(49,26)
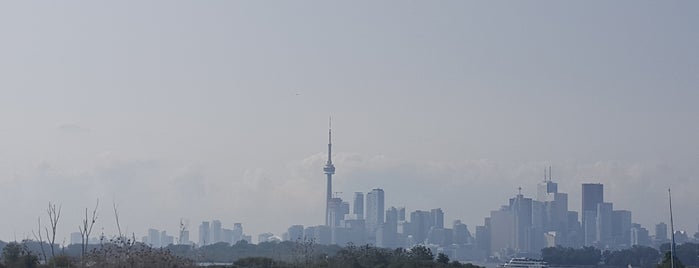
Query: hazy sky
(218,109)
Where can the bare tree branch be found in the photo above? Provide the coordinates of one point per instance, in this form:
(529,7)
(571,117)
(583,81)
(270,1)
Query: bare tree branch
(54,216)
(86,227)
(41,240)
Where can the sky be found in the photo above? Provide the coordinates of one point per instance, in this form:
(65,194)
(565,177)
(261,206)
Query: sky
(196,110)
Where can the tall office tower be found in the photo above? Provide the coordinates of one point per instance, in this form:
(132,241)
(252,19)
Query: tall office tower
(76,238)
(358,206)
(336,212)
(154,238)
(592,194)
(461,234)
(483,237)
(621,227)
(604,223)
(204,233)
(329,170)
(184,238)
(237,232)
(401,214)
(639,235)
(166,240)
(389,230)
(420,224)
(661,232)
(374,209)
(437,218)
(227,235)
(295,233)
(264,237)
(216,235)
(546,190)
(522,211)
(501,231)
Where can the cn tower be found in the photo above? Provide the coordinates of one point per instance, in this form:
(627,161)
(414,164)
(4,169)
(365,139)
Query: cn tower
(329,170)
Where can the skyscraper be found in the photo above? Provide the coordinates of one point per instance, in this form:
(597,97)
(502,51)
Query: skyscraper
(204,234)
(216,235)
(374,209)
(154,238)
(592,194)
(358,206)
(661,232)
(604,223)
(329,170)
(437,217)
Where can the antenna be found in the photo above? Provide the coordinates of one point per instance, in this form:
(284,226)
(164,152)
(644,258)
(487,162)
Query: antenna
(520,190)
(672,232)
(544,174)
(550,173)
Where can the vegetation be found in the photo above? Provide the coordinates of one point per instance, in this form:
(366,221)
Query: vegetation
(687,253)
(571,256)
(637,256)
(125,253)
(16,255)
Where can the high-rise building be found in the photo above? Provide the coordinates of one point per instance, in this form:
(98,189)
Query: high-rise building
(639,235)
(546,190)
(661,232)
(227,235)
(329,170)
(358,206)
(76,238)
(437,218)
(166,240)
(154,238)
(604,223)
(264,237)
(401,214)
(522,211)
(461,234)
(374,209)
(204,233)
(621,227)
(420,224)
(592,194)
(184,238)
(295,233)
(237,232)
(216,235)
(389,230)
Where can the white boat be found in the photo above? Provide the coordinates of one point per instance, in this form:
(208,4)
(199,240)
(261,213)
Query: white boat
(525,263)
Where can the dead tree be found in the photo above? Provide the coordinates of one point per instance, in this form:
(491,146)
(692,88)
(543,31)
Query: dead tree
(41,241)
(54,215)
(86,228)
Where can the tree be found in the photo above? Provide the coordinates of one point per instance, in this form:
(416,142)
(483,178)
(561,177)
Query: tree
(421,253)
(54,215)
(667,263)
(16,255)
(38,237)
(442,258)
(86,228)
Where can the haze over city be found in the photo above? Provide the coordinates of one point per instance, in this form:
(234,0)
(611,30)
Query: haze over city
(182,110)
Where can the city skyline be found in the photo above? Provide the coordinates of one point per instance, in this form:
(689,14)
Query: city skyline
(202,111)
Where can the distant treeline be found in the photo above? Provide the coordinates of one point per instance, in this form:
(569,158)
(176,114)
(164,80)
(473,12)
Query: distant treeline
(636,256)
(125,253)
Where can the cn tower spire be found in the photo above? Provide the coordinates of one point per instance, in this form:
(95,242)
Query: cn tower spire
(330,141)
(329,170)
